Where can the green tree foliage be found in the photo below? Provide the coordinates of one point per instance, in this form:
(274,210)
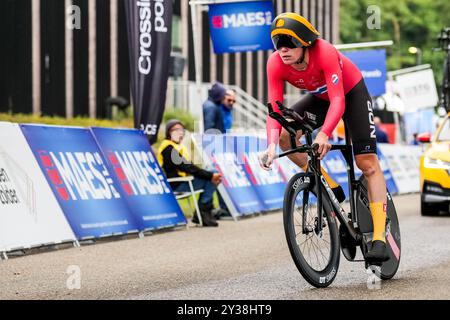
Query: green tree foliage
(408,22)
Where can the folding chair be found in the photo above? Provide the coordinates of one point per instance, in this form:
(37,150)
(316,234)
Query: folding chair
(189,194)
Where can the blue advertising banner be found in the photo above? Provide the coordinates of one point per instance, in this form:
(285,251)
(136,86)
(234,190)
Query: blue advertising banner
(78,175)
(142,183)
(253,189)
(221,151)
(372,64)
(269,185)
(241,26)
(287,168)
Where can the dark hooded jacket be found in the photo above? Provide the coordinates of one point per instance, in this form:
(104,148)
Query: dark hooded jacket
(212,108)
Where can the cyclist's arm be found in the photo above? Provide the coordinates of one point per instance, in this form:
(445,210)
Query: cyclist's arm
(276,92)
(335,84)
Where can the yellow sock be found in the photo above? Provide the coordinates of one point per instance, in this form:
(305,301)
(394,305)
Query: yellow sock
(378,211)
(333,184)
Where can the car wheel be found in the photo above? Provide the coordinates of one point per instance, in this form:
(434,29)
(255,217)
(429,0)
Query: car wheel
(429,210)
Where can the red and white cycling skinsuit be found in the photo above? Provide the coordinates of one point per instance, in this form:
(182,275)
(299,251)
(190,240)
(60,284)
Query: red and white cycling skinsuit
(329,76)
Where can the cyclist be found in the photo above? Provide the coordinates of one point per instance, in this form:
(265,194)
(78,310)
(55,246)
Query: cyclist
(336,90)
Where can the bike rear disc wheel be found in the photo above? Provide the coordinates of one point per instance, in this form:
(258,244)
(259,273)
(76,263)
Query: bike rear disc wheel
(393,238)
(393,241)
(316,255)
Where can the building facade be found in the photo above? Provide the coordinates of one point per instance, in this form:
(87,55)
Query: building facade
(49,67)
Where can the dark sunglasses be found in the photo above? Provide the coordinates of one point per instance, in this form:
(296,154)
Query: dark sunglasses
(285,41)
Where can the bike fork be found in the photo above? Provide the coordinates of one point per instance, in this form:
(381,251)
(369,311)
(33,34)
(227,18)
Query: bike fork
(319,201)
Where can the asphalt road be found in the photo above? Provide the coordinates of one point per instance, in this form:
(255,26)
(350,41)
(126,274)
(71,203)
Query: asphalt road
(244,260)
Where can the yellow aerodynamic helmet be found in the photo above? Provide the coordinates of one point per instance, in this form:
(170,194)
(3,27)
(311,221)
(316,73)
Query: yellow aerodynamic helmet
(297,28)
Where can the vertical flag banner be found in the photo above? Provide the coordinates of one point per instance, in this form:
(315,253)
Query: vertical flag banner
(142,182)
(241,26)
(149,25)
(29,213)
(78,175)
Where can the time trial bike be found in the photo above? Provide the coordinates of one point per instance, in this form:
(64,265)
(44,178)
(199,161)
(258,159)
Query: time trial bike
(311,212)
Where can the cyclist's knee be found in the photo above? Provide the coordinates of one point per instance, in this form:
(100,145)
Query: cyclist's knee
(285,140)
(368,165)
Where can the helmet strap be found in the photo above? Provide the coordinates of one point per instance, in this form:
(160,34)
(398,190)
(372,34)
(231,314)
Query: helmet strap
(302,58)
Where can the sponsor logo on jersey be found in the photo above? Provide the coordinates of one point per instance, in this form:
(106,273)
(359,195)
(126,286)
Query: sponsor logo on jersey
(335,79)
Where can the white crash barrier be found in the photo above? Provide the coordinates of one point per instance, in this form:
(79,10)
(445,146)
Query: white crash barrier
(29,213)
(404,162)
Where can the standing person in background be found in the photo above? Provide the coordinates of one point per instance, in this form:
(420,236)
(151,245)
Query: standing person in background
(227,117)
(227,109)
(212,108)
(213,120)
(381,135)
(415,142)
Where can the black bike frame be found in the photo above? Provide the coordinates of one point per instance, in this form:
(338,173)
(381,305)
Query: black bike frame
(347,151)
(314,165)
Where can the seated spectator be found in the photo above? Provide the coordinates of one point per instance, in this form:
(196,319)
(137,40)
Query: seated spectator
(175,161)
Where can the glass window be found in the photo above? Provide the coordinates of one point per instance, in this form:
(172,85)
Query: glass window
(176,33)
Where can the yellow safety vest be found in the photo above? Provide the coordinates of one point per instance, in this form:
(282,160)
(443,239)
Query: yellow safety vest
(182,150)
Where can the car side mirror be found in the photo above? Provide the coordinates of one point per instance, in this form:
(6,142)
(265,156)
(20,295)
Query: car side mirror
(424,137)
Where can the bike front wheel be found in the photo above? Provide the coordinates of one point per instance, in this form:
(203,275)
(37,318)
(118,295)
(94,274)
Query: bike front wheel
(315,253)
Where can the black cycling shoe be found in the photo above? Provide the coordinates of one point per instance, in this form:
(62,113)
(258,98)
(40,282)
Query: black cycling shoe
(378,253)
